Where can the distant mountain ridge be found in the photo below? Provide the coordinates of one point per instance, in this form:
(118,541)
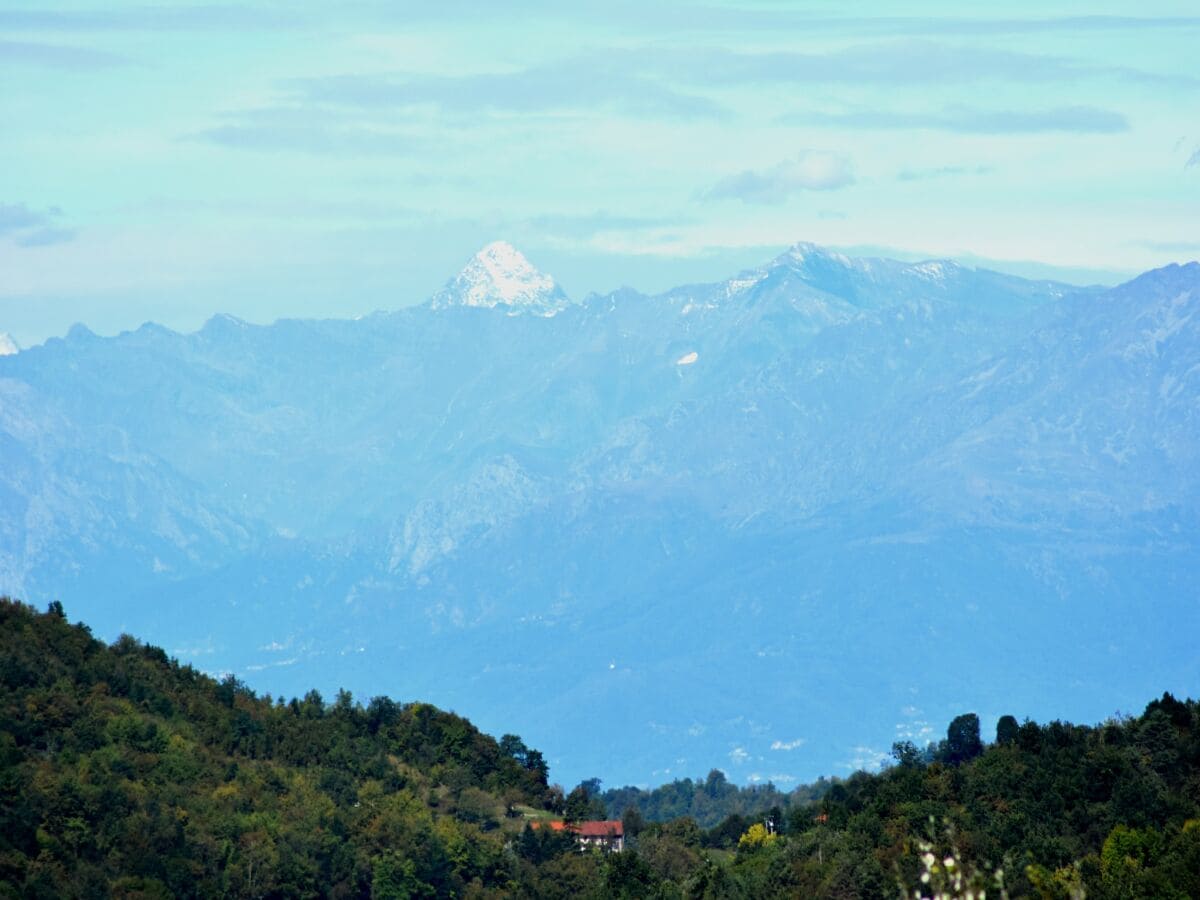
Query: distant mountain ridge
(780,478)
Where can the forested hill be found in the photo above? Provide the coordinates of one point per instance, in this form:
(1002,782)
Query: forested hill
(123,772)
(1058,810)
(126,774)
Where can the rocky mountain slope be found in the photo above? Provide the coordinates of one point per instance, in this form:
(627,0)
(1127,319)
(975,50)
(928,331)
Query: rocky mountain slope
(821,493)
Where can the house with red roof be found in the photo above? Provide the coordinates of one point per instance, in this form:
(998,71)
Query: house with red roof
(603,835)
(600,835)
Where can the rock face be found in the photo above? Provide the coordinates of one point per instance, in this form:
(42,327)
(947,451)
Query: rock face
(499,275)
(770,512)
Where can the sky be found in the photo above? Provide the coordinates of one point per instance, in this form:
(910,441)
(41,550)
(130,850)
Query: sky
(168,161)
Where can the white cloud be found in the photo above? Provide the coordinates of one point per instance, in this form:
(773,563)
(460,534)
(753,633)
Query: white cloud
(788,745)
(866,759)
(913,728)
(965,120)
(191,651)
(273,665)
(808,170)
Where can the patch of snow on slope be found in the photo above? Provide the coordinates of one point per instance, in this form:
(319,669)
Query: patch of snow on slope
(934,270)
(737,285)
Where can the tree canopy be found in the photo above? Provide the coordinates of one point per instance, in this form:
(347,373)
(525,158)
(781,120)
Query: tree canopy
(126,774)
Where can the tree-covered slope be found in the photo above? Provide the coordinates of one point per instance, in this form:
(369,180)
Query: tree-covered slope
(1052,811)
(125,773)
(1060,809)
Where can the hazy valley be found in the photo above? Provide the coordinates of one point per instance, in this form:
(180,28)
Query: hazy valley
(769,524)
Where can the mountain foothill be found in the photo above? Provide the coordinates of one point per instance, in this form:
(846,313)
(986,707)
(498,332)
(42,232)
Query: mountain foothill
(770,524)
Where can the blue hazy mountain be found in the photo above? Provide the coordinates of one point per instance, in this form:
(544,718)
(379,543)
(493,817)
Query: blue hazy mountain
(770,524)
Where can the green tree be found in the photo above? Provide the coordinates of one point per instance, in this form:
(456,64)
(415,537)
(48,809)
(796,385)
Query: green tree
(395,878)
(584,803)
(962,739)
(1007,730)
(906,754)
(632,822)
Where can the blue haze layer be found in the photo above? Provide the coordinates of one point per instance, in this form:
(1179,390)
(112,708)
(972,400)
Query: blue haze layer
(769,525)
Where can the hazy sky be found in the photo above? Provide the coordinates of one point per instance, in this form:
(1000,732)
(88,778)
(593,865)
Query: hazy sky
(168,161)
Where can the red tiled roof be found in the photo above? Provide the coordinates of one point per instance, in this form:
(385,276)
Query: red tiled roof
(600,829)
(586,829)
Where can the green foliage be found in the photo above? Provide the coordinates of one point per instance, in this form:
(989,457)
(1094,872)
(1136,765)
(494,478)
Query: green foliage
(394,877)
(1055,811)
(962,739)
(125,774)
(584,803)
(1007,730)
(708,801)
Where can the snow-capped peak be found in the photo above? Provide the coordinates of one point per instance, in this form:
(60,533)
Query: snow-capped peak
(804,251)
(8,346)
(500,275)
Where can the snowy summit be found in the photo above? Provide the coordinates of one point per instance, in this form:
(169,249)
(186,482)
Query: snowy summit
(499,275)
(7,345)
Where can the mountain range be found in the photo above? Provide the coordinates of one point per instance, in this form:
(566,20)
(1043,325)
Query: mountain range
(732,525)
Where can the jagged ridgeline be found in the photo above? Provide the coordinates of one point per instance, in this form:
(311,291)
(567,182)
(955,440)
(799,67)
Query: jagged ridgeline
(126,774)
(741,524)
